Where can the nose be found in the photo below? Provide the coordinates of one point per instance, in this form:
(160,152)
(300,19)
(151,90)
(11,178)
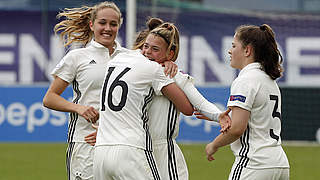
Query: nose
(107,27)
(146,50)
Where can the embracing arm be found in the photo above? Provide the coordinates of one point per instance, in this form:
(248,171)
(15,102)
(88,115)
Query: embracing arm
(200,103)
(179,99)
(240,118)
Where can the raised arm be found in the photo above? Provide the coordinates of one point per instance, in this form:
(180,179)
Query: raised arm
(200,103)
(185,82)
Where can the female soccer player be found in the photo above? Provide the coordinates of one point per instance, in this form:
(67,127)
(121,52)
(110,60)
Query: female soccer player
(162,44)
(255,101)
(84,68)
(124,146)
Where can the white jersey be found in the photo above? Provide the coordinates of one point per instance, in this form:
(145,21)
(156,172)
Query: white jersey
(164,128)
(260,145)
(130,83)
(85,69)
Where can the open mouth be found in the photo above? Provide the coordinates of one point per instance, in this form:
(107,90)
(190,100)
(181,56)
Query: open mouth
(151,59)
(106,35)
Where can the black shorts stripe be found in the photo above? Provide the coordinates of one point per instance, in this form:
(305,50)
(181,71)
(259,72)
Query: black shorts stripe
(237,172)
(152,165)
(68,157)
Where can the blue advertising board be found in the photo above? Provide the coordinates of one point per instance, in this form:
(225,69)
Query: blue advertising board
(198,130)
(24,119)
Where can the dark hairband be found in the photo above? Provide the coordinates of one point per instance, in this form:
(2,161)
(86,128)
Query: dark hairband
(161,35)
(168,26)
(263,27)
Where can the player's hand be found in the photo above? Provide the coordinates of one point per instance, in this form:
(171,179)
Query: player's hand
(91,138)
(200,115)
(225,121)
(210,150)
(89,113)
(170,68)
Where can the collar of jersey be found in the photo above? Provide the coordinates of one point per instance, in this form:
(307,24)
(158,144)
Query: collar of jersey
(95,44)
(249,67)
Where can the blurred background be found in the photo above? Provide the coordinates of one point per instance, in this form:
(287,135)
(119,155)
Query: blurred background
(29,50)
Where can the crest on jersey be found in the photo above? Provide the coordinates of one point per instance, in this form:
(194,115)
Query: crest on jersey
(237,98)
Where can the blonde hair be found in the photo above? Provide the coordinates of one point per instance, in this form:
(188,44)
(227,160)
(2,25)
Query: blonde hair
(76,25)
(170,34)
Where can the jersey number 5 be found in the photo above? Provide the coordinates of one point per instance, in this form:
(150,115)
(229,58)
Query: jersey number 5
(274,115)
(114,84)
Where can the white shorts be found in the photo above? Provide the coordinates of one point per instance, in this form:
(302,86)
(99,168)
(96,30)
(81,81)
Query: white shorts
(170,160)
(120,162)
(80,161)
(242,173)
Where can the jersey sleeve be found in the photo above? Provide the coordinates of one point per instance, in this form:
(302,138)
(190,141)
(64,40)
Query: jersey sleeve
(185,82)
(242,94)
(65,69)
(160,80)
(182,79)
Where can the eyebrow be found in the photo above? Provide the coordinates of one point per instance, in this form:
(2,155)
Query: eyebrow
(151,45)
(112,20)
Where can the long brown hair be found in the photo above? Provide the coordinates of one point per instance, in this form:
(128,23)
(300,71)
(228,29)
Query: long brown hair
(266,52)
(76,24)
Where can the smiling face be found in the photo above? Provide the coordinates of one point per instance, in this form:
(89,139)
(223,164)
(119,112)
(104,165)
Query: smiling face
(155,48)
(105,27)
(237,54)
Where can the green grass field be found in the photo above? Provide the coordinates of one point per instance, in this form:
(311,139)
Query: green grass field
(47,162)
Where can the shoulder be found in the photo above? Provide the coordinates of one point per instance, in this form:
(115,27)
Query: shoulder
(77,52)
(183,76)
(245,82)
(135,57)
(132,53)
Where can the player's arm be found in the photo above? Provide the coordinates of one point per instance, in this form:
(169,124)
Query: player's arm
(240,118)
(178,97)
(200,103)
(54,100)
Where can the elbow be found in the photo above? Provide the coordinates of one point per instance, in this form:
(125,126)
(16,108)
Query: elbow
(45,102)
(188,111)
(236,132)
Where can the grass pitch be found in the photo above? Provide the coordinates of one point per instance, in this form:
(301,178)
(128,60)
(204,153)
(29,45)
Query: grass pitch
(47,162)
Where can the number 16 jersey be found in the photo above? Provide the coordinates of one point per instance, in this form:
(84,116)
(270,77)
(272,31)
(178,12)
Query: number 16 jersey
(130,83)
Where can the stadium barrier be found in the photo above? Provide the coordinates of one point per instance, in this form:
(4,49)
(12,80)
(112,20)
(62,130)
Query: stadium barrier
(24,119)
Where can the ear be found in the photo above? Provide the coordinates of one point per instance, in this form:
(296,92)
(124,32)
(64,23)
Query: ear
(91,25)
(248,50)
(171,54)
